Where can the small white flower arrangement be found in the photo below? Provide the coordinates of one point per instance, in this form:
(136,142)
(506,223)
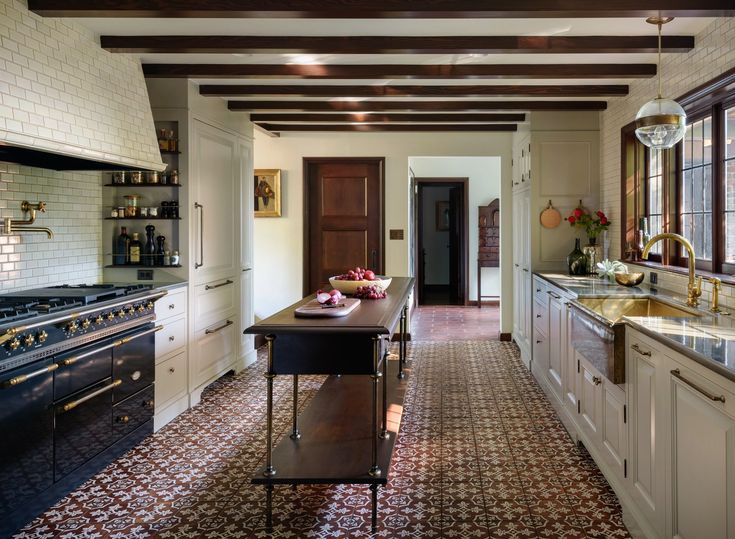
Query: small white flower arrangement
(608,268)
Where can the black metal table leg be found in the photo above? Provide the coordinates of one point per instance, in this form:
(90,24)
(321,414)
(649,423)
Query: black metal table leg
(295,433)
(374,519)
(401,339)
(269,508)
(384,429)
(270,375)
(405,334)
(375,469)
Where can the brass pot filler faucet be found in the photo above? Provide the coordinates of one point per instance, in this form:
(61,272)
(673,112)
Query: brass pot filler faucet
(14,226)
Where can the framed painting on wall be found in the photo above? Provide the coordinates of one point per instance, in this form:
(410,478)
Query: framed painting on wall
(267,192)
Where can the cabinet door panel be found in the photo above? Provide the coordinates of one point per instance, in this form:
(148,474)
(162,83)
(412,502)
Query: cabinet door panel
(590,397)
(703,467)
(614,437)
(571,371)
(556,342)
(215,165)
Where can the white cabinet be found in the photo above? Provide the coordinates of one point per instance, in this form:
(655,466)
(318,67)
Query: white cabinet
(590,400)
(557,345)
(614,434)
(171,388)
(703,456)
(522,326)
(647,430)
(215,165)
(247,344)
(570,367)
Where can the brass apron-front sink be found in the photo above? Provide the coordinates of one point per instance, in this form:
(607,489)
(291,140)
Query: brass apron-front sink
(613,309)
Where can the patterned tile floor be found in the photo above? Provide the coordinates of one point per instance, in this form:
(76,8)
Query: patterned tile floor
(480,454)
(453,323)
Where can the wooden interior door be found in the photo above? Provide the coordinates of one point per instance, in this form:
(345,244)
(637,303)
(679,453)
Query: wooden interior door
(343,221)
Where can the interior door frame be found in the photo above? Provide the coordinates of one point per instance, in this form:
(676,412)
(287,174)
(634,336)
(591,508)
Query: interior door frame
(464,249)
(307,163)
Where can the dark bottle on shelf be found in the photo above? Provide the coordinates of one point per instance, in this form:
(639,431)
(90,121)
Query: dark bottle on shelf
(149,250)
(135,250)
(120,248)
(173,209)
(160,250)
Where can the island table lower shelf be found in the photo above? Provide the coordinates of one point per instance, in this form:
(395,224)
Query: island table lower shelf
(334,446)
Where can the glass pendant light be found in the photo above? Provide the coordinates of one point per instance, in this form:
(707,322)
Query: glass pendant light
(661,122)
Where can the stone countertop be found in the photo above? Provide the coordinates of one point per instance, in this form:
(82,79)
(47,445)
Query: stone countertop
(708,340)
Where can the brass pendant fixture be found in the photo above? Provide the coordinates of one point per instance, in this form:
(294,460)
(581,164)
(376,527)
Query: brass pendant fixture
(661,122)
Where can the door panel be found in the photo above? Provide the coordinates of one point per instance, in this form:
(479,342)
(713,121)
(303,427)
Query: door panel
(456,242)
(344,221)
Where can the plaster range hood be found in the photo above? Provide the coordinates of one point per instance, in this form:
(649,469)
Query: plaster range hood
(36,157)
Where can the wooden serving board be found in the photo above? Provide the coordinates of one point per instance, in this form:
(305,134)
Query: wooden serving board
(314,309)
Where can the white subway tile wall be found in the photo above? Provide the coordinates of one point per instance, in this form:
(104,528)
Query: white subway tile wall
(73,212)
(60,91)
(713,54)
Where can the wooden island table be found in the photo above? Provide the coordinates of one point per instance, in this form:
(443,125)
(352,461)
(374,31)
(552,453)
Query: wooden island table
(337,438)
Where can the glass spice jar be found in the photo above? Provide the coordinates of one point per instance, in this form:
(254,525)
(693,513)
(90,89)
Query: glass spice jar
(131,209)
(165,210)
(173,207)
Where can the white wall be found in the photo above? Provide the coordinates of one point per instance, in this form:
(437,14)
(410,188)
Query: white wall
(279,241)
(436,242)
(484,175)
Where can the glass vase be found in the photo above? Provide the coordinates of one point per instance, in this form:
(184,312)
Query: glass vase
(593,255)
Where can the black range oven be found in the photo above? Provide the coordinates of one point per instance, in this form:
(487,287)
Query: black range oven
(76,390)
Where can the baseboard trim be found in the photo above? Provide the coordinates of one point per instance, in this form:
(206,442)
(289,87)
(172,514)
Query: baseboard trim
(507,337)
(489,303)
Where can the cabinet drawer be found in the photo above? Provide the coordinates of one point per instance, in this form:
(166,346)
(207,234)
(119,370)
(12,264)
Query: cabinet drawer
(213,301)
(213,350)
(171,305)
(170,380)
(171,337)
(540,317)
(710,386)
(540,291)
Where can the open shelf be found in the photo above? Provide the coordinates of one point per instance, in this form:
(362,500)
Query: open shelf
(142,184)
(142,219)
(123,266)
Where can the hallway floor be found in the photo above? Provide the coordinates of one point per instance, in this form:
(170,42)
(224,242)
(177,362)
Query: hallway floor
(455,323)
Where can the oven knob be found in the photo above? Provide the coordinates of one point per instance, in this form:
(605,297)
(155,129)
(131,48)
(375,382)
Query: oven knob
(14,344)
(42,336)
(121,313)
(110,316)
(86,323)
(131,311)
(28,340)
(123,419)
(99,319)
(149,305)
(72,327)
(141,308)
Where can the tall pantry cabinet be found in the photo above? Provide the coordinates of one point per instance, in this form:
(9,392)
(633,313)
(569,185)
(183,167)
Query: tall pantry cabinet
(216,206)
(554,166)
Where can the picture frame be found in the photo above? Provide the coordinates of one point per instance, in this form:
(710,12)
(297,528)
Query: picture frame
(267,192)
(442,215)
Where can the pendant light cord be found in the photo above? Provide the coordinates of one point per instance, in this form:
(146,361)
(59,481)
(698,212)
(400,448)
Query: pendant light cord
(659,58)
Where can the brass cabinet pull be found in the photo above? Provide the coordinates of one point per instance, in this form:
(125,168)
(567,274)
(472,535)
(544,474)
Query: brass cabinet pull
(126,340)
(199,207)
(596,380)
(25,377)
(525,269)
(676,373)
(73,404)
(213,286)
(636,348)
(223,326)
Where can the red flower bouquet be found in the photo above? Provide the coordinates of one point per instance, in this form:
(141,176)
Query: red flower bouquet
(593,224)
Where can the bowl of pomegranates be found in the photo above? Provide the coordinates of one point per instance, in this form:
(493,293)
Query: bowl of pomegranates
(360,280)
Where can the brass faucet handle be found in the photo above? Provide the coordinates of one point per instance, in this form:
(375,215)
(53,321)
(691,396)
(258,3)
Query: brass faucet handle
(41,206)
(697,290)
(716,283)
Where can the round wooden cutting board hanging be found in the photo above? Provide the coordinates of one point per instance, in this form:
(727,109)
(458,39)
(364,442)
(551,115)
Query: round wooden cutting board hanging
(550,217)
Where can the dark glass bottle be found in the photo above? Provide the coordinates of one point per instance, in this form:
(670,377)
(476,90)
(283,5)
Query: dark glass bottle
(149,250)
(120,248)
(135,250)
(174,209)
(160,250)
(577,261)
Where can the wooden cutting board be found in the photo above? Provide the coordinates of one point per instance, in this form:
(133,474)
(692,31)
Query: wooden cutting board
(314,309)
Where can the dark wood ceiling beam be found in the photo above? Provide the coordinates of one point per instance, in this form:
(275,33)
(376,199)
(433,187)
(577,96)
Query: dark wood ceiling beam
(400,71)
(415,106)
(540,90)
(360,9)
(387,118)
(367,128)
(395,44)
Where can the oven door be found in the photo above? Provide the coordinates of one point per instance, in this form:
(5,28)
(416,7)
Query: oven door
(134,360)
(26,444)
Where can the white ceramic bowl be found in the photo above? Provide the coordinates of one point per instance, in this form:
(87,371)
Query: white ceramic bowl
(350,287)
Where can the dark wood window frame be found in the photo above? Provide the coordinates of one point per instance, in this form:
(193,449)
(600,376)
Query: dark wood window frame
(710,99)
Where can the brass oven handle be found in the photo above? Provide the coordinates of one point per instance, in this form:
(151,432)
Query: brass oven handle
(126,340)
(223,326)
(199,207)
(212,287)
(73,404)
(676,373)
(636,348)
(24,377)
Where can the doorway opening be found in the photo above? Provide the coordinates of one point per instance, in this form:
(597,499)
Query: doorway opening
(442,241)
